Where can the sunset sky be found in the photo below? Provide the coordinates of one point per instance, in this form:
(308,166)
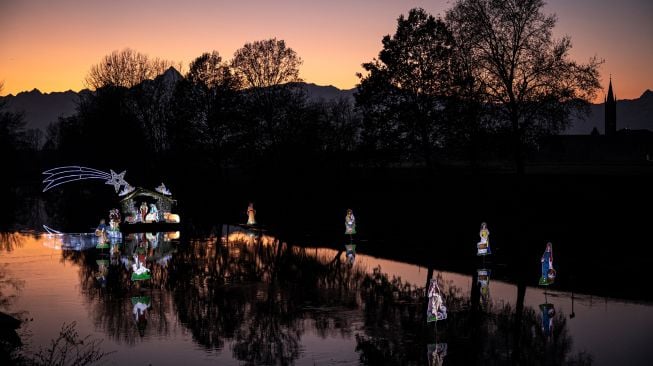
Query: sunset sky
(50,45)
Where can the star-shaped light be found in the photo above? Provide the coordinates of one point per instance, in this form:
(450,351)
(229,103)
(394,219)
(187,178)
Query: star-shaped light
(117,180)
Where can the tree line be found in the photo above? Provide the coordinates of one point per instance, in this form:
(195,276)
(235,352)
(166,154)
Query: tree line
(487,80)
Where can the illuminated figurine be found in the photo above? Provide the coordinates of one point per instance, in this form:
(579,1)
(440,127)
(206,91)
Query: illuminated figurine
(548,273)
(101,228)
(436,309)
(350,223)
(143,212)
(483,246)
(114,219)
(251,212)
(153,215)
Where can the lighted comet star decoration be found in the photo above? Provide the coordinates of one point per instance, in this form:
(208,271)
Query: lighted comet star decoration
(117,180)
(66,174)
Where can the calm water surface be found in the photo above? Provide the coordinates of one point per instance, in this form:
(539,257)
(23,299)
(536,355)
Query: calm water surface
(244,297)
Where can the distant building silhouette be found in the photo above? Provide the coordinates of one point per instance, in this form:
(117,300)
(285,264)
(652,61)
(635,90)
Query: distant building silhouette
(610,112)
(623,146)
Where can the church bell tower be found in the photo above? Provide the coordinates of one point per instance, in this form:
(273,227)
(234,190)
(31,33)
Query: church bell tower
(610,112)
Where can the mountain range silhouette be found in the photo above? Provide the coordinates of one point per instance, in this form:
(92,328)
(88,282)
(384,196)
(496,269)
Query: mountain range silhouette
(40,109)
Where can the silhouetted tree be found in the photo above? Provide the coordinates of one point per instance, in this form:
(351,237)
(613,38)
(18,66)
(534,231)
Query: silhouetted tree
(267,63)
(527,75)
(339,128)
(209,70)
(125,68)
(405,92)
(14,150)
(207,116)
(149,102)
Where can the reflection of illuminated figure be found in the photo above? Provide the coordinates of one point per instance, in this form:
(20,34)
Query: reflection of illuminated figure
(483,246)
(548,273)
(140,308)
(115,254)
(143,212)
(436,353)
(101,275)
(141,272)
(350,253)
(153,215)
(152,239)
(484,284)
(436,309)
(101,233)
(548,312)
(251,212)
(350,223)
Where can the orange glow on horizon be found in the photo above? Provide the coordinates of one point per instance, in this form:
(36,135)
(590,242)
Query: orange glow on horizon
(52,48)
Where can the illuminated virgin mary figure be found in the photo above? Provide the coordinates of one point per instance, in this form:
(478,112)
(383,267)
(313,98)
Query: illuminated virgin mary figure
(153,215)
(483,246)
(350,223)
(548,273)
(251,212)
(436,309)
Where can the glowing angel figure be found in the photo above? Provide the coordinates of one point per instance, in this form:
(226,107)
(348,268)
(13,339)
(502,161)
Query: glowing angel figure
(350,223)
(548,273)
(251,213)
(163,190)
(483,246)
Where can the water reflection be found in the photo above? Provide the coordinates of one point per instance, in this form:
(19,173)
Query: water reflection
(115,297)
(249,296)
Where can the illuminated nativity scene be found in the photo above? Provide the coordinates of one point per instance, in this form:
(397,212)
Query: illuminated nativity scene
(142,209)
